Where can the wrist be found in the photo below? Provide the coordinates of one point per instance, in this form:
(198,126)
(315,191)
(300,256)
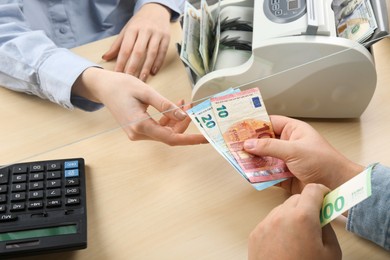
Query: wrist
(86,85)
(344,173)
(159,9)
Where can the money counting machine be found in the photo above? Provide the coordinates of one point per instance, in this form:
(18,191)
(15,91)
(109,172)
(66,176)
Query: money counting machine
(297,60)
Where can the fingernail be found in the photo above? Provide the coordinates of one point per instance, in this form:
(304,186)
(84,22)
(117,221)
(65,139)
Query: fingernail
(179,114)
(143,77)
(250,144)
(155,69)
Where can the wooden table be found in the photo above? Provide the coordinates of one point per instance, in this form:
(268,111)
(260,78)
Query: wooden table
(147,200)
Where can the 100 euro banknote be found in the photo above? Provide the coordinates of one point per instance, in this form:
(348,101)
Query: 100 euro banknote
(241,116)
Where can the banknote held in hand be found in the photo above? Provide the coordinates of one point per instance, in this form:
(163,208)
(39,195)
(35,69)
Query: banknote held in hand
(227,120)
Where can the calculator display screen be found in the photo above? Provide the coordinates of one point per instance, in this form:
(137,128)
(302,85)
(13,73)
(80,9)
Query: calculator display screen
(41,232)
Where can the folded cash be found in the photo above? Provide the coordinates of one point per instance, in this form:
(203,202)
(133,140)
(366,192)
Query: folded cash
(219,119)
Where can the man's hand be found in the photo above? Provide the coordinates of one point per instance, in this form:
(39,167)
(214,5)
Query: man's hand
(293,230)
(306,153)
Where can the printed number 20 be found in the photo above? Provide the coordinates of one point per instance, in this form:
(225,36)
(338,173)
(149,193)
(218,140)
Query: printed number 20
(207,120)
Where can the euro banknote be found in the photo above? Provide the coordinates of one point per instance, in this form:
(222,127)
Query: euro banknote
(346,196)
(203,117)
(241,116)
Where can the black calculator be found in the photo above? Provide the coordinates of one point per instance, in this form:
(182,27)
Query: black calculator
(42,207)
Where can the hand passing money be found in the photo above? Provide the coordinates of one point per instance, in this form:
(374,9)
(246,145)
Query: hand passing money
(227,120)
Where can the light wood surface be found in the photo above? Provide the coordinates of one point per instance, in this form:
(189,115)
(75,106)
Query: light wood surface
(147,200)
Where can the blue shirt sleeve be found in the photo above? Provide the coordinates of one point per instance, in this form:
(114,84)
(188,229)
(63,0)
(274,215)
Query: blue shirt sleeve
(176,6)
(370,219)
(32,63)
(35,35)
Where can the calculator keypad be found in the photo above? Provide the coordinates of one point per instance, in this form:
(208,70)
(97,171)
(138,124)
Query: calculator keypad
(39,187)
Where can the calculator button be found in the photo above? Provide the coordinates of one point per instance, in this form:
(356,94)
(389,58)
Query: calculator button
(19,169)
(36,176)
(53,166)
(53,193)
(3,176)
(35,194)
(71,182)
(38,185)
(53,175)
(37,167)
(3,198)
(72,191)
(53,203)
(53,184)
(18,187)
(2,208)
(19,178)
(71,164)
(8,217)
(17,207)
(72,201)
(18,196)
(71,173)
(3,188)
(35,205)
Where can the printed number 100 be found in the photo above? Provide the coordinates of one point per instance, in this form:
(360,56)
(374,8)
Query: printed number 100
(330,208)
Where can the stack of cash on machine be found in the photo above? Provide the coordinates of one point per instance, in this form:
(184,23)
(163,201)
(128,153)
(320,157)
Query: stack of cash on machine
(309,58)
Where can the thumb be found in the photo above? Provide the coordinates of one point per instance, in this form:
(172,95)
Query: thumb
(269,147)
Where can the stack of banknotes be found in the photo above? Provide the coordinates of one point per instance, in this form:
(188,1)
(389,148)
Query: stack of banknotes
(209,31)
(200,38)
(228,119)
(355,19)
(233,116)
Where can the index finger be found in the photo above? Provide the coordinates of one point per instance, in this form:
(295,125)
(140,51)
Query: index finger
(283,123)
(149,96)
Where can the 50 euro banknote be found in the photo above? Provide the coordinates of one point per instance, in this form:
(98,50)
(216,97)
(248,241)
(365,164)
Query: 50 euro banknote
(241,116)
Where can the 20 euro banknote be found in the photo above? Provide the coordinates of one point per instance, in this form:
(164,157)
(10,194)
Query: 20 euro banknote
(203,117)
(242,116)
